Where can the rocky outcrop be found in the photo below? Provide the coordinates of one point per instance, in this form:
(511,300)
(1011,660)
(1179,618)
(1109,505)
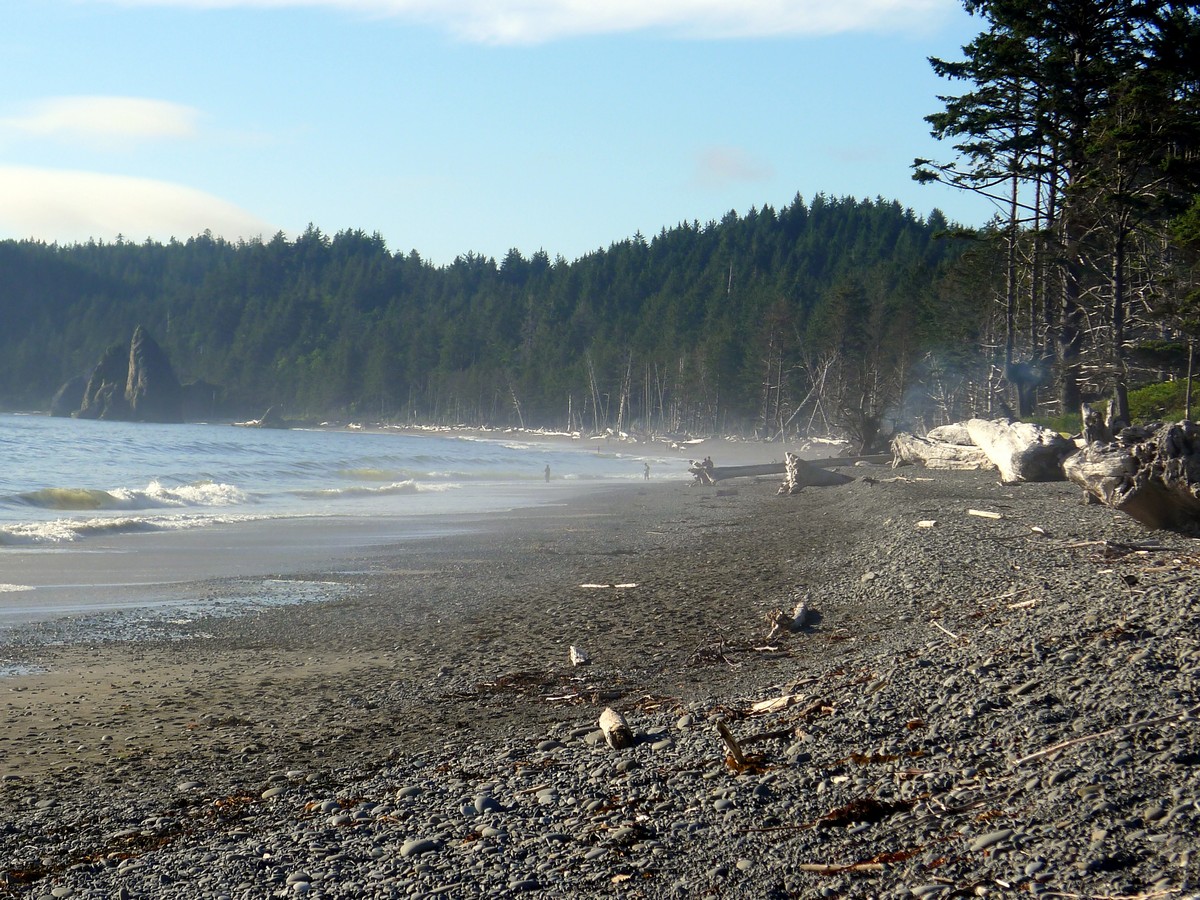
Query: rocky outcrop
(151,390)
(136,384)
(104,396)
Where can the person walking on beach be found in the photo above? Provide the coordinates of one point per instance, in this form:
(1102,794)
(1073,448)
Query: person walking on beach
(647,475)
(547,473)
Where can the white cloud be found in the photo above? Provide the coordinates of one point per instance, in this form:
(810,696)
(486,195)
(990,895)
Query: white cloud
(70,206)
(719,166)
(104,120)
(536,21)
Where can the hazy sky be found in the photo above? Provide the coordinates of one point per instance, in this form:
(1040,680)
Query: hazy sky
(460,125)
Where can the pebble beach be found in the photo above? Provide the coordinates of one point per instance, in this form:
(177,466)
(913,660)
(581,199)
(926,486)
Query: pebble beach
(995,693)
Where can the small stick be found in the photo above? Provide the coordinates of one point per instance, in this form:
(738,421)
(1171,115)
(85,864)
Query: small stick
(984,514)
(1133,726)
(782,734)
(829,869)
(731,742)
(949,632)
(1024,604)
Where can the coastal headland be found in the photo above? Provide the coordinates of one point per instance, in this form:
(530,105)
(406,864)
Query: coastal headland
(999,704)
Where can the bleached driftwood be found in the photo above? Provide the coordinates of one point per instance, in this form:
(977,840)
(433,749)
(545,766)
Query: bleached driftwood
(1021,451)
(1156,480)
(577,656)
(908,449)
(731,744)
(781,621)
(798,475)
(954,433)
(615,729)
(775,704)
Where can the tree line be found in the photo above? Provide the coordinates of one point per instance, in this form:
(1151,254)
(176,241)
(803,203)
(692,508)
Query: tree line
(716,327)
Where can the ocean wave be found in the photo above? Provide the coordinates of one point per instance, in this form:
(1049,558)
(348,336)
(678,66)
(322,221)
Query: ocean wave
(14,588)
(154,496)
(63,531)
(395,487)
(369,474)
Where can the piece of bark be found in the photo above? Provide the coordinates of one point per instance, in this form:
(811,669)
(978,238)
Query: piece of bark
(909,449)
(775,704)
(1021,451)
(615,729)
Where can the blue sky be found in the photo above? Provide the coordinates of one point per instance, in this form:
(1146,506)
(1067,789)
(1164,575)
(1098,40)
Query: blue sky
(450,126)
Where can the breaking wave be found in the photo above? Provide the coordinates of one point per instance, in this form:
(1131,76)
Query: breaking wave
(153,496)
(396,487)
(61,531)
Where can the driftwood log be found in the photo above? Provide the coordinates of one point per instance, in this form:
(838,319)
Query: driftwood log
(706,473)
(798,475)
(955,433)
(1155,479)
(1021,451)
(615,729)
(932,453)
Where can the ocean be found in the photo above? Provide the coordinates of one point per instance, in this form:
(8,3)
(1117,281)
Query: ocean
(110,516)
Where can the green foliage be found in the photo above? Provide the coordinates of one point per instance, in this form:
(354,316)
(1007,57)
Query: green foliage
(673,333)
(1164,402)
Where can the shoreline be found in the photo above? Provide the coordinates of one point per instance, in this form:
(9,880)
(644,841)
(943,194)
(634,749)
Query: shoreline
(940,657)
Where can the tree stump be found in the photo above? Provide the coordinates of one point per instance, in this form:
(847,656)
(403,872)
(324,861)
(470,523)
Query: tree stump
(798,475)
(1156,480)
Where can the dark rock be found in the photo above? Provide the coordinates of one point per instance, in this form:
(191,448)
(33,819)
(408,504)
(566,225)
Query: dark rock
(69,397)
(104,396)
(134,385)
(152,391)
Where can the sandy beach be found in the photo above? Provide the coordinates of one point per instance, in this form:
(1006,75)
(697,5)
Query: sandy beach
(456,648)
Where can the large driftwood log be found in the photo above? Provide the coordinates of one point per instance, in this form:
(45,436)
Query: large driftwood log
(1020,450)
(798,475)
(615,729)
(908,449)
(1155,480)
(955,433)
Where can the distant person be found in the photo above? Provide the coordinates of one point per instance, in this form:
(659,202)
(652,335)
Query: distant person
(547,473)
(647,475)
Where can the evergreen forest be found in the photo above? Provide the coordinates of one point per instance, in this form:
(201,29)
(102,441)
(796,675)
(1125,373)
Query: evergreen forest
(1080,120)
(718,327)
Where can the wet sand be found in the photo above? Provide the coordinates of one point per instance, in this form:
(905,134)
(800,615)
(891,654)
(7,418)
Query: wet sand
(422,621)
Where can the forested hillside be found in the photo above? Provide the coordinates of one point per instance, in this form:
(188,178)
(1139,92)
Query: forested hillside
(817,313)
